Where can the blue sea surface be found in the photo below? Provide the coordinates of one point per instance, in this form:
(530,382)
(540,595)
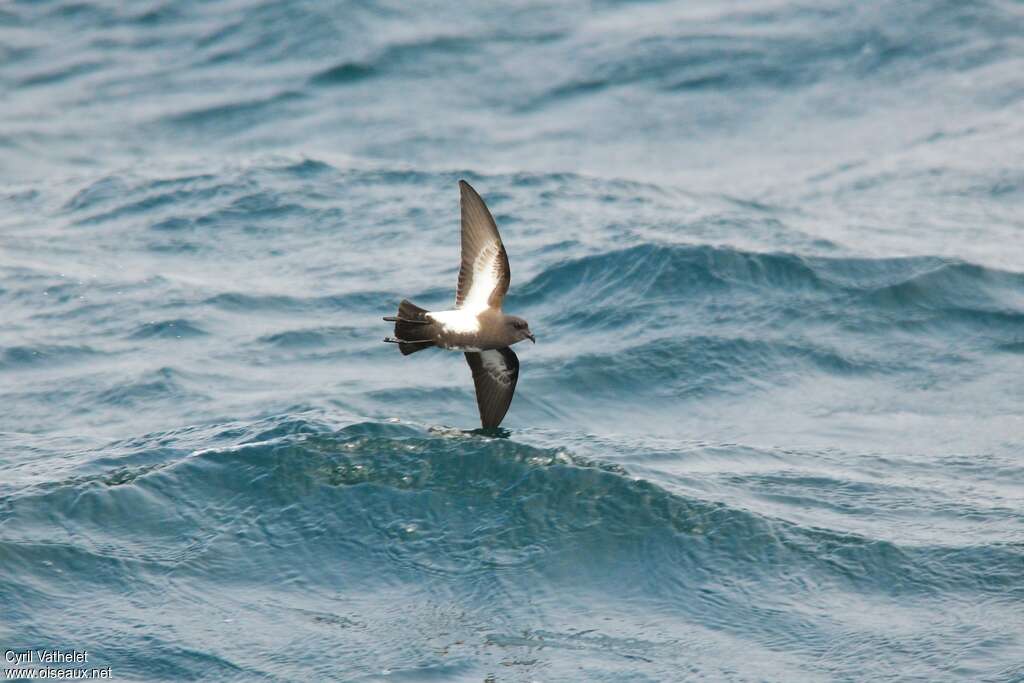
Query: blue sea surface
(773,425)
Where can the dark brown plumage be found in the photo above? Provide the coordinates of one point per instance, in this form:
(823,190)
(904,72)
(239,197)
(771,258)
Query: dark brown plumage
(477,326)
(495,374)
(480,238)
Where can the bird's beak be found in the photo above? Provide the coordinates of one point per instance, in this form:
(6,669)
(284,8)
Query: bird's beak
(529,335)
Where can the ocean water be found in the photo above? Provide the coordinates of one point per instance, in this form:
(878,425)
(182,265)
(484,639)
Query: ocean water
(772,429)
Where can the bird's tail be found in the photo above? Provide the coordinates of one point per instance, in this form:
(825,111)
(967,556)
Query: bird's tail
(410,328)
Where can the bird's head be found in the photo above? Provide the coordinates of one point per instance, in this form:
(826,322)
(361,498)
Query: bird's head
(519,329)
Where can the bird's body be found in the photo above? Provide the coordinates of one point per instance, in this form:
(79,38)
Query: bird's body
(461,330)
(476,326)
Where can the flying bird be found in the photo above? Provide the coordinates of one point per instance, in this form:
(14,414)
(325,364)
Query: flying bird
(476,326)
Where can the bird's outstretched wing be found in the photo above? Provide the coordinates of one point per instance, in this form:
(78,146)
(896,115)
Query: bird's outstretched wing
(495,373)
(484,276)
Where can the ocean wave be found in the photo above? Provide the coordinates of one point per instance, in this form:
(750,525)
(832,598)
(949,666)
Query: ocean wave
(232,115)
(309,338)
(240,302)
(649,276)
(149,389)
(696,366)
(454,505)
(168,329)
(770,429)
(43,355)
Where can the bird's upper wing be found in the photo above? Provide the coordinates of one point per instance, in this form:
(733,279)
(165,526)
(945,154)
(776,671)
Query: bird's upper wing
(495,373)
(484,276)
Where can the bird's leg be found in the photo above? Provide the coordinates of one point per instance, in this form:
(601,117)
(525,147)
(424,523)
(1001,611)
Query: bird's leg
(396,319)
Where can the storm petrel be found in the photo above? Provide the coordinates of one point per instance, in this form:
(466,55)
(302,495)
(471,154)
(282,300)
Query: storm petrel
(476,326)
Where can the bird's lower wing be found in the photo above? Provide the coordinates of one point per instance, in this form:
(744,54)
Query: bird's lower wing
(495,374)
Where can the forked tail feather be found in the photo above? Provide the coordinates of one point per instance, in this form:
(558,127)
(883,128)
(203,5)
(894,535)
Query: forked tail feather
(410,327)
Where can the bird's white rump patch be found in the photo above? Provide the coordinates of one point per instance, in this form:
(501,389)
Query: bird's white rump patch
(460,320)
